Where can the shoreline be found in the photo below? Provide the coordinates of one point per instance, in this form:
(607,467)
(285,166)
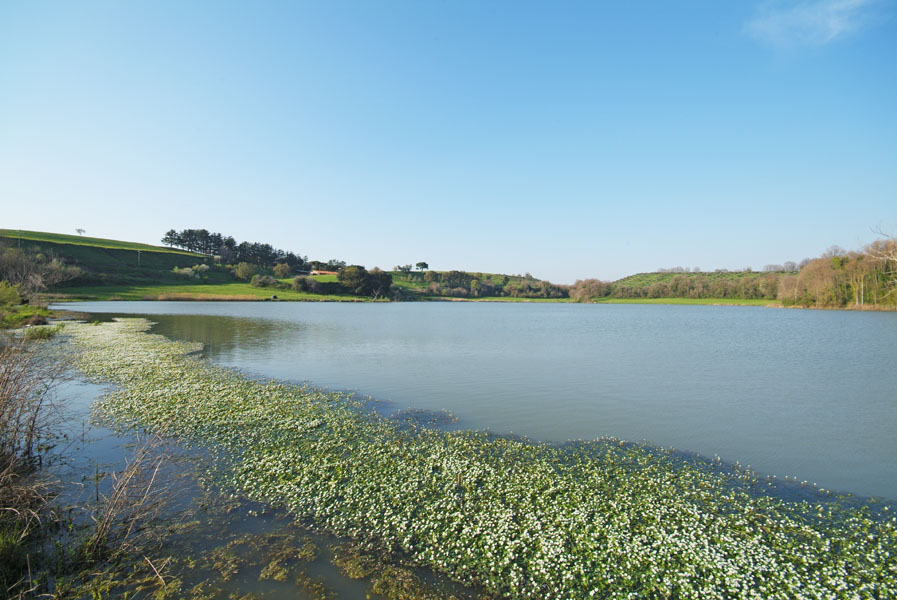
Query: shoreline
(54,298)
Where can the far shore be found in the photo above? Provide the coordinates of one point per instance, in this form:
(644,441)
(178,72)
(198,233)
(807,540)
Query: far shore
(146,293)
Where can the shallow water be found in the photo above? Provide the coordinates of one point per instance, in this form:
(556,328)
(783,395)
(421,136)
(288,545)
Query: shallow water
(217,546)
(810,394)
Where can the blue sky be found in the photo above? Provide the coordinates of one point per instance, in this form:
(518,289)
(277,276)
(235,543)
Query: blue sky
(566,139)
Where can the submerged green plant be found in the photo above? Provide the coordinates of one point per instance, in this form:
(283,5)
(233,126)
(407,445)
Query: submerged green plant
(597,519)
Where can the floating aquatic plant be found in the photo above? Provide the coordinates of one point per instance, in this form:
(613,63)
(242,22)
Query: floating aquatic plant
(600,519)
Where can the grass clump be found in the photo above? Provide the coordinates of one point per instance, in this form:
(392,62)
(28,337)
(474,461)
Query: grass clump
(43,332)
(12,317)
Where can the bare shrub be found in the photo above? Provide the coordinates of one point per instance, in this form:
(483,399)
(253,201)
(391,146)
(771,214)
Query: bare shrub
(31,272)
(584,290)
(124,518)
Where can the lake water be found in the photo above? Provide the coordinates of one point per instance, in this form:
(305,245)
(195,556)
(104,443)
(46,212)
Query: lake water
(809,394)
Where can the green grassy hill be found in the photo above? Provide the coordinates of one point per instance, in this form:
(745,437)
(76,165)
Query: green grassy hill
(115,269)
(107,262)
(77,240)
(745,285)
(646,279)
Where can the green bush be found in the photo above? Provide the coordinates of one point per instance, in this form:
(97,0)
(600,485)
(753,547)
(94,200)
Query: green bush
(245,271)
(9,294)
(263,281)
(307,284)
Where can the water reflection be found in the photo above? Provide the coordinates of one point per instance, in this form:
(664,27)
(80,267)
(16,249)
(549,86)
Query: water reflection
(225,337)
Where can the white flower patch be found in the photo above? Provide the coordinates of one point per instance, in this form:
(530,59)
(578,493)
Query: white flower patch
(598,519)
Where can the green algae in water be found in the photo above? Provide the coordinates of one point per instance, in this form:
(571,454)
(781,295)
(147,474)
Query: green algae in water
(520,519)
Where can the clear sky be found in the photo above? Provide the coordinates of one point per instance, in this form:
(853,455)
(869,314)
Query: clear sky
(566,139)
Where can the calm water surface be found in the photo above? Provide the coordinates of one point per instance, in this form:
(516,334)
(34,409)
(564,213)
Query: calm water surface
(810,394)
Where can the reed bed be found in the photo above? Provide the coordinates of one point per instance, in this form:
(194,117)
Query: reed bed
(592,519)
(27,416)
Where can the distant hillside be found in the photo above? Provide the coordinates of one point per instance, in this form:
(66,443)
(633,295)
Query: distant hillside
(646,279)
(78,240)
(103,261)
(717,284)
(114,268)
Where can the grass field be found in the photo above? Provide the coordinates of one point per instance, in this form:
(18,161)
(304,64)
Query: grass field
(78,240)
(220,291)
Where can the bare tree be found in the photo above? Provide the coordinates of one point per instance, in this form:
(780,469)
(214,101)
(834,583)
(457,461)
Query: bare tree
(884,251)
(32,273)
(80,231)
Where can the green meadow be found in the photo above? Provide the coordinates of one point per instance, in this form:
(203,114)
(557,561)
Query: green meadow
(232,291)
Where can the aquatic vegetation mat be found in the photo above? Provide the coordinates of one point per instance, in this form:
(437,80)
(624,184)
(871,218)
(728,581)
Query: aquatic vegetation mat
(522,520)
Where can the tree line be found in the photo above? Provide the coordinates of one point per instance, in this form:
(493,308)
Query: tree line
(839,278)
(461,284)
(226,248)
(353,280)
(695,285)
(836,279)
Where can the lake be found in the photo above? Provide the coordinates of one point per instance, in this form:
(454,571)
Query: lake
(808,394)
